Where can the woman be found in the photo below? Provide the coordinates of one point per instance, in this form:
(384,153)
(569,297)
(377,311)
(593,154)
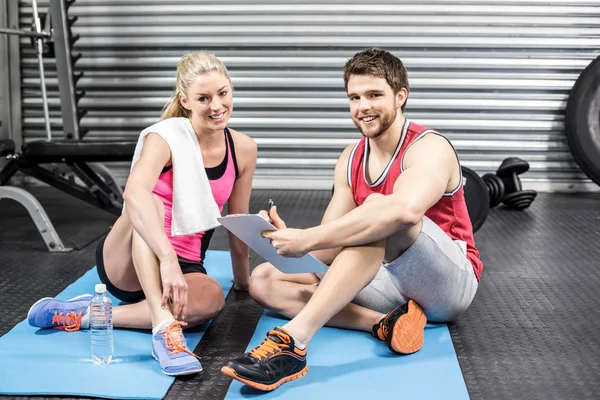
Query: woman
(162,276)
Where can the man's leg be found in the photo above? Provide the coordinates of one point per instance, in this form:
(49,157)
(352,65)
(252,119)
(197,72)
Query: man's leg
(436,273)
(352,270)
(287,294)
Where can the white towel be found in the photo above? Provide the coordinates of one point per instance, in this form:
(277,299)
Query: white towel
(194,207)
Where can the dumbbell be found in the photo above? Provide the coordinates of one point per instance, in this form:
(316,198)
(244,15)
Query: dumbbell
(495,188)
(508,174)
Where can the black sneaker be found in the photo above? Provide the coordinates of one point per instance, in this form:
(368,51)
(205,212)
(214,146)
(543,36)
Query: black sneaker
(402,329)
(274,362)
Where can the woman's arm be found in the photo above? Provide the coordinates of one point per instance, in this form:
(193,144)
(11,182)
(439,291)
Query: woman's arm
(139,201)
(239,203)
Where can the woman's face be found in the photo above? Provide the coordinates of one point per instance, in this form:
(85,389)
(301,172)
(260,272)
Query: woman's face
(210,100)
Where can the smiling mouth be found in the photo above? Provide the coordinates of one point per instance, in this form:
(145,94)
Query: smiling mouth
(217,116)
(369,119)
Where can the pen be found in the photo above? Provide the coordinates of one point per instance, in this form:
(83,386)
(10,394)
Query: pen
(271,204)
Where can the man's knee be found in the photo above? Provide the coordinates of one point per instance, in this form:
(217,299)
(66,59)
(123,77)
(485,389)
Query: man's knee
(261,282)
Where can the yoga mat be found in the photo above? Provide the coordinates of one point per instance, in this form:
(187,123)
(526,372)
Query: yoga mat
(52,362)
(344,364)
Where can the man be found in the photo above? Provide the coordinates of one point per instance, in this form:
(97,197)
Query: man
(396,234)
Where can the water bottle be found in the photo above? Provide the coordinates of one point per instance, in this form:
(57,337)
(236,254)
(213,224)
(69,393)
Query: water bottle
(101,326)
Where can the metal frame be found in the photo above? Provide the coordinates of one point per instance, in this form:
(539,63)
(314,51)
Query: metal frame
(14,63)
(100,189)
(39,216)
(4,77)
(64,67)
(94,191)
(39,48)
(10,75)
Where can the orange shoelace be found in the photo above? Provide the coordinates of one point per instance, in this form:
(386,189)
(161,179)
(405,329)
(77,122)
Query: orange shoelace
(382,331)
(69,322)
(269,346)
(174,338)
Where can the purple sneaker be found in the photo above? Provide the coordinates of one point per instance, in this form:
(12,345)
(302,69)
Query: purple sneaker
(170,349)
(51,313)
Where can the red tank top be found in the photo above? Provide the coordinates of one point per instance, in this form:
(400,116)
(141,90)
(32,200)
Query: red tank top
(449,213)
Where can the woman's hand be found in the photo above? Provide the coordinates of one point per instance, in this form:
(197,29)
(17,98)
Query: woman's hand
(175,287)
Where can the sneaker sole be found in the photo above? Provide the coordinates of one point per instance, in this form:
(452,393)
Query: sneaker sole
(408,334)
(261,386)
(188,372)
(51,298)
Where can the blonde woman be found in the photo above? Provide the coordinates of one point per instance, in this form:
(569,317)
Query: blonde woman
(142,263)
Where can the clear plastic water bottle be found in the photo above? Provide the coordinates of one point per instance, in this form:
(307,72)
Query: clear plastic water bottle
(101,326)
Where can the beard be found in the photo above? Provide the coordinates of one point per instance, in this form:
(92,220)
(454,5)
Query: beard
(385,121)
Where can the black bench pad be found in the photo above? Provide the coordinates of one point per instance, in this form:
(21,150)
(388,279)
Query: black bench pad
(85,150)
(7,146)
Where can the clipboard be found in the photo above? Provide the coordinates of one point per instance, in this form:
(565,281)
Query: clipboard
(248,228)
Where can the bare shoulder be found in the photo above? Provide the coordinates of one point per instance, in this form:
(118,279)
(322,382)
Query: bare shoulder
(246,151)
(155,148)
(431,146)
(343,159)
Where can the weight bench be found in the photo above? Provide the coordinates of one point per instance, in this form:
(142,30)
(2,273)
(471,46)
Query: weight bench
(39,159)
(80,158)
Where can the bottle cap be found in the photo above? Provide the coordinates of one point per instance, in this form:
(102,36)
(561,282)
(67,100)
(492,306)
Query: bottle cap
(100,288)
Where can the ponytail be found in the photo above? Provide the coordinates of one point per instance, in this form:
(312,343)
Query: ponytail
(174,108)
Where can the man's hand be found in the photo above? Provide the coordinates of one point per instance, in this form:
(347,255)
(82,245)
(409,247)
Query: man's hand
(175,287)
(289,242)
(273,217)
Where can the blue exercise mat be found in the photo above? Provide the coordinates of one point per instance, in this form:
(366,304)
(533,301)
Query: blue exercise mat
(53,362)
(344,364)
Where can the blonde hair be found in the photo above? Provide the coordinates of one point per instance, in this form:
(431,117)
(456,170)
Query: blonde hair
(188,68)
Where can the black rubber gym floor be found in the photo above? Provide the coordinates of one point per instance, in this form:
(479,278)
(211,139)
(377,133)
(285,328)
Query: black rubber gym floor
(533,330)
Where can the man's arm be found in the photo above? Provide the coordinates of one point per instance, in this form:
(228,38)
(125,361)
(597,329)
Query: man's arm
(341,203)
(429,166)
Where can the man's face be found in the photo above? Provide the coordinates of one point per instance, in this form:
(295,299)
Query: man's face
(373,104)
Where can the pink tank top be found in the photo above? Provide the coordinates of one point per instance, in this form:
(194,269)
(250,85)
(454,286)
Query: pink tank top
(221,179)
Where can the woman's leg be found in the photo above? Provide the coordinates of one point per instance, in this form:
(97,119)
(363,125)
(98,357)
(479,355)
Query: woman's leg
(130,265)
(205,301)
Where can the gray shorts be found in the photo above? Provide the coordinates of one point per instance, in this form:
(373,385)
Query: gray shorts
(434,271)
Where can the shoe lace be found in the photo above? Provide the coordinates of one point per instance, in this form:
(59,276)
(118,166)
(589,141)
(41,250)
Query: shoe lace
(174,339)
(382,332)
(269,346)
(70,321)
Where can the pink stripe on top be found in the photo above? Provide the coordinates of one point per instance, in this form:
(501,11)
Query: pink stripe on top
(189,247)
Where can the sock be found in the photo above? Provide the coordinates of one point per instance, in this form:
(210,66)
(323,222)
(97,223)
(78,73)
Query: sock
(161,326)
(85,320)
(298,343)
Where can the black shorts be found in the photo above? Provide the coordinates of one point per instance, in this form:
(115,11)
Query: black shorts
(187,267)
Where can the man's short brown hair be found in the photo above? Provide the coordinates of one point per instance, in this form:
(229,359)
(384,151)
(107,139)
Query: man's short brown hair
(379,63)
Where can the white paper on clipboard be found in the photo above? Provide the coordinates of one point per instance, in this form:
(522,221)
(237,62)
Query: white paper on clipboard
(248,228)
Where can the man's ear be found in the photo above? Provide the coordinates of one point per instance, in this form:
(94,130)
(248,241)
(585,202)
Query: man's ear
(401,97)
